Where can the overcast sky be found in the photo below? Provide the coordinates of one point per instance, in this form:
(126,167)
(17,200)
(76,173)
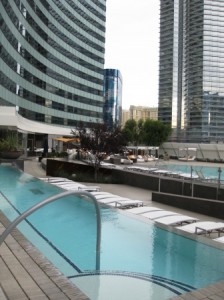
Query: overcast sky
(132,46)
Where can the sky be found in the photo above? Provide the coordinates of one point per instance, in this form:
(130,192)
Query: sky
(132,46)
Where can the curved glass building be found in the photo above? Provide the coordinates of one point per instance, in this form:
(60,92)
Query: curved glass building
(191,80)
(52,60)
(112,98)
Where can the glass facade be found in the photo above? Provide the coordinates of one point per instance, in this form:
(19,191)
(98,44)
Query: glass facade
(52,59)
(191,89)
(112,98)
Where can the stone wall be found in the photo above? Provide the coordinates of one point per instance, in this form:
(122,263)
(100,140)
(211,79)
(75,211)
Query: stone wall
(213,208)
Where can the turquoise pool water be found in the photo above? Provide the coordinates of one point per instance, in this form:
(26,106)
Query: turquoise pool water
(211,172)
(65,231)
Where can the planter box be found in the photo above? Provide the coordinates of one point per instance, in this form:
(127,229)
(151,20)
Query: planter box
(10,154)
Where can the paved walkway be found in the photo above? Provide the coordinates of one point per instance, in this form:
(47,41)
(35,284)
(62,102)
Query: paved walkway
(26,274)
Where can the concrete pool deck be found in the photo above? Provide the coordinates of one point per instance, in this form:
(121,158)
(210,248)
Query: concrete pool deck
(26,274)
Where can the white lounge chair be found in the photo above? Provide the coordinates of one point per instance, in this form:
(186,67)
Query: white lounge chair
(69,186)
(219,239)
(152,215)
(100,193)
(176,220)
(205,227)
(55,179)
(144,209)
(161,171)
(127,203)
(112,200)
(62,183)
(188,176)
(101,197)
(89,188)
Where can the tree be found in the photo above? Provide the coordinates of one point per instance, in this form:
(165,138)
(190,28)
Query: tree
(100,141)
(134,131)
(155,132)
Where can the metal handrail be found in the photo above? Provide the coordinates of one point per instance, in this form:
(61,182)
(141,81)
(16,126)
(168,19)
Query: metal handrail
(28,212)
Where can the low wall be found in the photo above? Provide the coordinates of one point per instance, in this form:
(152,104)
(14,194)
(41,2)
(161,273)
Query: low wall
(163,184)
(58,167)
(19,163)
(169,185)
(192,196)
(137,179)
(213,208)
(190,188)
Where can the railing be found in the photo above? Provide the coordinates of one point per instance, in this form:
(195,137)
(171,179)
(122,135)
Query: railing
(28,212)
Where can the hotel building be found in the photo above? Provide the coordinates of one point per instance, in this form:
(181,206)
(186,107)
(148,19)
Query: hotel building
(191,71)
(51,64)
(139,113)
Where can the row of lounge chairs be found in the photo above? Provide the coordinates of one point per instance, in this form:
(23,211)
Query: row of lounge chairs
(162,172)
(68,184)
(115,200)
(101,197)
(162,216)
(182,222)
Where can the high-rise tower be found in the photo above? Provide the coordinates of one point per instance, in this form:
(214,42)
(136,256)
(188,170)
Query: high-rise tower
(191,84)
(112,98)
(52,60)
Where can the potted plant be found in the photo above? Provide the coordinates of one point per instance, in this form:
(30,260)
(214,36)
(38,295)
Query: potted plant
(9,146)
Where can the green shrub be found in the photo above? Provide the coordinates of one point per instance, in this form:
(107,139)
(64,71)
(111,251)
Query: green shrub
(10,142)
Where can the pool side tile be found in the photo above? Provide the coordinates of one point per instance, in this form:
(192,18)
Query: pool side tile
(214,289)
(219,285)
(188,296)
(211,292)
(198,295)
(221,294)
(207,291)
(215,297)
(22,276)
(2,295)
(9,284)
(30,274)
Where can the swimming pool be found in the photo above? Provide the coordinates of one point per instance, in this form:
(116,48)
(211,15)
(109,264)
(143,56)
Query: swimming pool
(211,172)
(131,250)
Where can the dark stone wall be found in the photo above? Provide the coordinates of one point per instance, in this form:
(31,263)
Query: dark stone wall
(213,208)
(137,179)
(54,167)
(19,163)
(163,184)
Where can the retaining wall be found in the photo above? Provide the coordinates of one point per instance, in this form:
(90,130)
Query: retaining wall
(213,208)
(148,181)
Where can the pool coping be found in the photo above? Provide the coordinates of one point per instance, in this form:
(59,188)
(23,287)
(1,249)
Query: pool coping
(28,273)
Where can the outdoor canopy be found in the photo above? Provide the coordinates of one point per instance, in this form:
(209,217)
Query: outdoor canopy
(67,140)
(11,119)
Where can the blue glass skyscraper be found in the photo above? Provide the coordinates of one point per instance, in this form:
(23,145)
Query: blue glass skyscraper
(112,98)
